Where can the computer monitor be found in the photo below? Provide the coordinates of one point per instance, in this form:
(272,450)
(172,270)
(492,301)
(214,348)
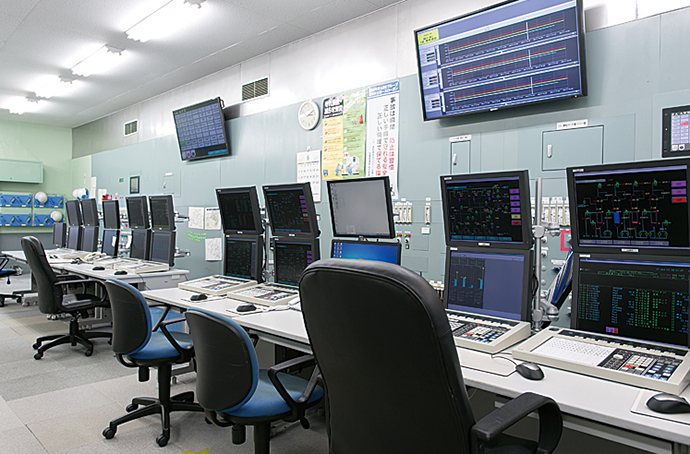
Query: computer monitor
(635,207)
(141,242)
(675,132)
(495,283)
(74,237)
(73,212)
(111,242)
(59,234)
(162,212)
(138,212)
(291,210)
(365,250)
(89,242)
(244,257)
(163,247)
(239,211)
(640,298)
(111,214)
(292,256)
(361,207)
(487,209)
(89,212)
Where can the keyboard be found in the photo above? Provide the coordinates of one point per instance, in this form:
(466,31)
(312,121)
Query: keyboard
(486,334)
(216,285)
(645,364)
(268,294)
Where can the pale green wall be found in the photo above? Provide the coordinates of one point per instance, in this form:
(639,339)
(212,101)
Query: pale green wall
(81,173)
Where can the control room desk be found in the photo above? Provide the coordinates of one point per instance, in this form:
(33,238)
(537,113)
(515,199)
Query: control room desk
(590,405)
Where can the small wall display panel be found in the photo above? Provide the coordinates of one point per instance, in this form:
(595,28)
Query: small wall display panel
(675,132)
(201,130)
(513,53)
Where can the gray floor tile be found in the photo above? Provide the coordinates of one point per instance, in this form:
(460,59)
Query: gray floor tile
(58,403)
(8,418)
(20,440)
(40,383)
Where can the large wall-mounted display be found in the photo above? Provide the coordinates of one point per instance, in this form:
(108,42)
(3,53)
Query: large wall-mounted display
(201,130)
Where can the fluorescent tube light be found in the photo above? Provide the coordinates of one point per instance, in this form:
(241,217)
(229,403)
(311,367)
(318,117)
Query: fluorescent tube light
(164,21)
(56,86)
(19,105)
(101,61)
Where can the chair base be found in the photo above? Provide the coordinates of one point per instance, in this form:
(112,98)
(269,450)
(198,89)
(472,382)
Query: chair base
(74,337)
(3,297)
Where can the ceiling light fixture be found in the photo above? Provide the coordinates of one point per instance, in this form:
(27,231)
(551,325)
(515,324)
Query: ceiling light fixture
(101,61)
(56,86)
(165,20)
(19,105)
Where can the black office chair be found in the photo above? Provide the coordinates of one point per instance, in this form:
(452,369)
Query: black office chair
(390,367)
(232,389)
(139,341)
(6,273)
(53,299)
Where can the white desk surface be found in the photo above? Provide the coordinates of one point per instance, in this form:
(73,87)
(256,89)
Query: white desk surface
(587,397)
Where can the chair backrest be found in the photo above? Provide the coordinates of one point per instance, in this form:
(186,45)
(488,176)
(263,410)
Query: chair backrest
(49,294)
(132,322)
(227,370)
(387,357)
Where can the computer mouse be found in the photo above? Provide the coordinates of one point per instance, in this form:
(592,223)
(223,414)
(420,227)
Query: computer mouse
(530,371)
(75,261)
(98,268)
(198,297)
(120,272)
(668,403)
(247,307)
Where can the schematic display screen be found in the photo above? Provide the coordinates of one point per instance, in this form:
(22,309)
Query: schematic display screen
(288,211)
(636,207)
(290,261)
(486,284)
(484,210)
(200,130)
(239,258)
(636,299)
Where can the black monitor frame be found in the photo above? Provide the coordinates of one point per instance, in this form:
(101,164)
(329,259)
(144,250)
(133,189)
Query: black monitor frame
(576,323)
(111,214)
(73,208)
(525,209)
(396,244)
(315,252)
(305,189)
(89,238)
(250,191)
(527,278)
(258,258)
(168,226)
(74,242)
(667,115)
(633,168)
(89,212)
(138,202)
(59,234)
(146,252)
(169,237)
(387,201)
(110,250)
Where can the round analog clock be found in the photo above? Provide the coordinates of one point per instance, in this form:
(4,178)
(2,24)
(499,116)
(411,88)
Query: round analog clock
(308,115)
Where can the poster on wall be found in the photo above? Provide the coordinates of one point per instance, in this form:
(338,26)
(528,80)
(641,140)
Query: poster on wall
(344,136)
(332,149)
(382,132)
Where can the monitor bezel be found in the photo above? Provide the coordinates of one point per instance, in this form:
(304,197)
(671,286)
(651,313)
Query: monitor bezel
(315,251)
(311,209)
(144,203)
(218,101)
(258,257)
(571,172)
(117,242)
(256,210)
(171,246)
(116,205)
(77,211)
(527,277)
(147,243)
(525,210)
(666,151)
(388,202)
(60,228)
(93,247)
(370,243)
(170,226)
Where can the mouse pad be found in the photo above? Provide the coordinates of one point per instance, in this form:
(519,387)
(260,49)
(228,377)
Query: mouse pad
(209,298)
(640,407)
(484,362)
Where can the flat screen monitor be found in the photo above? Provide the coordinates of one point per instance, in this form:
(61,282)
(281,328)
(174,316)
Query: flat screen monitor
(675,132)
(138,212)
(141,242)
(89,242)
(74,237)
(201,130)
(640,298)
(366,250)
(163,247)
(111,242)
(361,207)
(162,212)
(513,53)
(111,214)
(487,209)
(239,211)
(636,207)
(89,212)
(292,257)
(495,283)
(73,212)
(59,234)
(291,210)
(244,257)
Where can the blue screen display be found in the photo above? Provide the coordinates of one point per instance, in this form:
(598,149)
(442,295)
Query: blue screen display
(382,252)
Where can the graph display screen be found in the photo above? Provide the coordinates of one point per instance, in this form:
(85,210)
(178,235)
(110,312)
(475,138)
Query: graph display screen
(675,132)
(162,212)
(292,258)
(243,257)
(201,130)
(516,52)
(291,210)
(487,209)
(646,300)
(363,250)
(493,283)
(138,212)
(239,210)
(634,207)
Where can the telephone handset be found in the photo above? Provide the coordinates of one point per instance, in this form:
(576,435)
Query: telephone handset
(93,256)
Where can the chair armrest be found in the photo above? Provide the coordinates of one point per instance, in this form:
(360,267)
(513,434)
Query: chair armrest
(298,406)
(493,424)
(160,319)
(162,324)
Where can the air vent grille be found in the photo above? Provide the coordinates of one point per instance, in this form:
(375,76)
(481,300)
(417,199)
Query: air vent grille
(255,89)
(131,127)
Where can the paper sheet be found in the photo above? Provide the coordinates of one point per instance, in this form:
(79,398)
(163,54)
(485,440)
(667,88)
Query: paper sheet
(212,218)
(309,171)
(196,218)
(213,248)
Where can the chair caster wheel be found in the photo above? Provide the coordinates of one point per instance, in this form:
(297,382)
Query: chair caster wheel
(38,355)
(305,423)
(36,346)
(208,421)
(88,353)
(109,433)
(162,440)
(110,342)
(131,407)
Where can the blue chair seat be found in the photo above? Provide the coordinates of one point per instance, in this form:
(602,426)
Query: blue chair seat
(159,347)
(266,401)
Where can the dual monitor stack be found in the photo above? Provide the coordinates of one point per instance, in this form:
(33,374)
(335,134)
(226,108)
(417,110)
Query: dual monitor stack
(82,233)
(152,240)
